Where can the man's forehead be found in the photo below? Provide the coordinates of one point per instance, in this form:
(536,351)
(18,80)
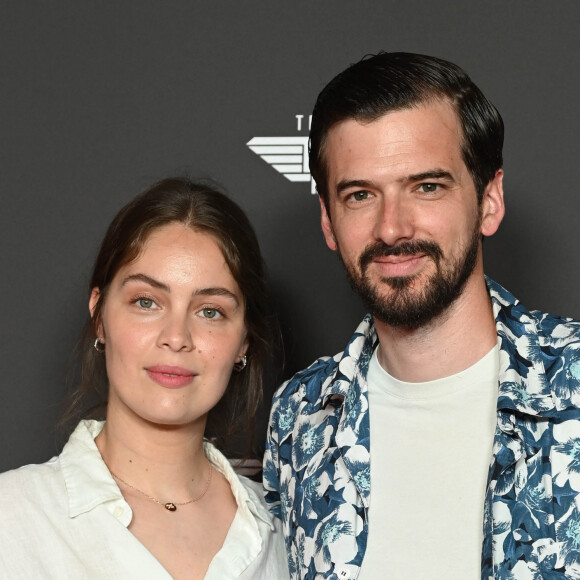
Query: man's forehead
(434,110)
(401,140)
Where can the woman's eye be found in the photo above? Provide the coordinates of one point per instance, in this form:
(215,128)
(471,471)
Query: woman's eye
(429,187)
(146,303)
(210,313)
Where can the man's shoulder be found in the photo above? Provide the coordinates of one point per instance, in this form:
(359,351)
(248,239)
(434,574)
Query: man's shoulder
(559,342)
(553,330)
(311,382)
(556,327)
(314,376)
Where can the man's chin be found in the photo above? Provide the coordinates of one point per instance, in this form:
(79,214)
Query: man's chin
(387,288)
(399,282)
(401,302)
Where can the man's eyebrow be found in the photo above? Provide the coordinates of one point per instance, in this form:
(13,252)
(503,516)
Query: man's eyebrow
(350,183)
(365,183)
(217,291)
(147,280)
(431,174)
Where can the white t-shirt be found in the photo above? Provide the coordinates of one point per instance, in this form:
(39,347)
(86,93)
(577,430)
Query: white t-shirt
(67,518)
(430,453)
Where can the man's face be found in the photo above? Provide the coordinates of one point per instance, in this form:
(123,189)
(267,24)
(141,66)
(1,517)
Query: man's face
(404,214)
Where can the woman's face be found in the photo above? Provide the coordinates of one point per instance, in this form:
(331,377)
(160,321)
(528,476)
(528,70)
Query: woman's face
(173,327)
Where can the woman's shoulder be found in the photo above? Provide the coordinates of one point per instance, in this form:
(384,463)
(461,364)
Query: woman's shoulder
(48,481)
(29,496)
(32,482)
(32,473)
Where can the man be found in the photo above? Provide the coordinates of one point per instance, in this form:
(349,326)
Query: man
(444,442)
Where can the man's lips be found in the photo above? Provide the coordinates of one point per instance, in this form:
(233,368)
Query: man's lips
(170,376)
(410,250)
(392,259)
(397,266)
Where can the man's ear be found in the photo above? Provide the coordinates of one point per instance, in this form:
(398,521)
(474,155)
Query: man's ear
(492,205)
(95,295)
(327,226)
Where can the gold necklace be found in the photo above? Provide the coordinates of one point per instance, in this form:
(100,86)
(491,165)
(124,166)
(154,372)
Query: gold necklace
(170,505)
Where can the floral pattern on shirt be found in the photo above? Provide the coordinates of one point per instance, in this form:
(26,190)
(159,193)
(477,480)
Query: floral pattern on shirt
(317,470)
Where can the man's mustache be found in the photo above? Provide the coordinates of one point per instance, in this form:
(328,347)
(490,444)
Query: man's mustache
(410,248)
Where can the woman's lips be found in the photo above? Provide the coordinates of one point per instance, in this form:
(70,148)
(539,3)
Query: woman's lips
(169,376)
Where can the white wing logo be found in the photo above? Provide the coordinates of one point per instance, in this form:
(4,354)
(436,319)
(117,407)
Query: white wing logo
(287,155)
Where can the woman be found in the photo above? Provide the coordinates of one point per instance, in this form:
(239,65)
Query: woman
(177,336)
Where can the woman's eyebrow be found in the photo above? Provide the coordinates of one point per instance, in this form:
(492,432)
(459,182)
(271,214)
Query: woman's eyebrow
(147,280)
(211,291)
(217,291)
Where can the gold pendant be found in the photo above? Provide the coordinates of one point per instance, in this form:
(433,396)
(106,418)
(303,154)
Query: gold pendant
(170,507)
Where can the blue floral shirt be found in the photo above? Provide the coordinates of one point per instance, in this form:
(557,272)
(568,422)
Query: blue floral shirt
(317,470)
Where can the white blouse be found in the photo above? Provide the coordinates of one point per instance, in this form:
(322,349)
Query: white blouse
(67,518)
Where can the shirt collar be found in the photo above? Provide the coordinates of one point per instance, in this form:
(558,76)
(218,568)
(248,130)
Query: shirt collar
(87,479)
(246,497)
(90,484)
(523,385)
(352,364)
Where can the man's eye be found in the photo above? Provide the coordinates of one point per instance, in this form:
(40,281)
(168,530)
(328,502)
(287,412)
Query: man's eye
(145,303)
(429,187)
(360,195)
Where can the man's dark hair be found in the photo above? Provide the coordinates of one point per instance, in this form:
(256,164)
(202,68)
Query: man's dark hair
(386,82)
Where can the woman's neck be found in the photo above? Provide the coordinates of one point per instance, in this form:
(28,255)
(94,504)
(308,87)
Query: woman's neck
(160,461)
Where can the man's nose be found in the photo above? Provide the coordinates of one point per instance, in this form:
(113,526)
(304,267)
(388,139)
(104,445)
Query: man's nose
(394,221)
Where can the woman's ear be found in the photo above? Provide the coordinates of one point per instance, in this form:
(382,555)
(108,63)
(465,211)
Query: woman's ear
(95,293)
(245,346)
(93,300)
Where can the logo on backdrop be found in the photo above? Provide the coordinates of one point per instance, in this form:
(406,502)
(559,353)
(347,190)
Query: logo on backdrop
(287,155)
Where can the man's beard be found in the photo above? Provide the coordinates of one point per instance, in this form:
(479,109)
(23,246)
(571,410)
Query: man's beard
(404,307)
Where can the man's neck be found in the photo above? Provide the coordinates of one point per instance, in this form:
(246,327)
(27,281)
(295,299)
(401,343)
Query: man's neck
(449,344)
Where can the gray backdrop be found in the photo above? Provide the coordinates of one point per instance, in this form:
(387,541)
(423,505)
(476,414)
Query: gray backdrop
(100,99)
